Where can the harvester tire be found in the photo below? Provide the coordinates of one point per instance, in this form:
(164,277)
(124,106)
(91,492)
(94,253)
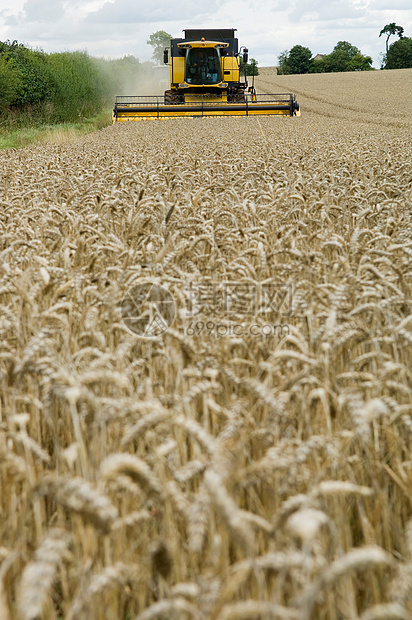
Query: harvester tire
(172,97)
(237,96)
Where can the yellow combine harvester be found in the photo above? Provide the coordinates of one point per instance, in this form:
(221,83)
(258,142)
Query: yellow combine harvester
(205,80)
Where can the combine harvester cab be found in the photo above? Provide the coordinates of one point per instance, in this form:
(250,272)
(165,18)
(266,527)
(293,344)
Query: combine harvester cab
(205,80)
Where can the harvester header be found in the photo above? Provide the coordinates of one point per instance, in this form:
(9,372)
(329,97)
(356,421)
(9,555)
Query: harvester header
(205,80)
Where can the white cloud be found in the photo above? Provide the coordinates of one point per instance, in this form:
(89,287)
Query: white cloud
(123,12)
(43,10)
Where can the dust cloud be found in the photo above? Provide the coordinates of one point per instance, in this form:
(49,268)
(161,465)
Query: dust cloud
(148,80)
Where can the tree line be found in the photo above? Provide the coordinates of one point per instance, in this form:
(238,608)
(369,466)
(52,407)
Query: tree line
(347,57)
(63,86)
(344,57)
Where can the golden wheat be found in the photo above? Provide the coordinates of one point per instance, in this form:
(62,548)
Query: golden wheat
(255,459)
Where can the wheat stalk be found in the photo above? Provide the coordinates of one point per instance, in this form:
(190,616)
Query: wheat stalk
(38,576)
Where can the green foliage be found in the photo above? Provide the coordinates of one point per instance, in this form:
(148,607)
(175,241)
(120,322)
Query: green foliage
(318,66)
(159,40)
(29,73)
(10,80)
(360,63)
(344,57)
(48,87)
(251,67)
(37,88)
(399,54)
(77,88)
(389,30)
(298,60)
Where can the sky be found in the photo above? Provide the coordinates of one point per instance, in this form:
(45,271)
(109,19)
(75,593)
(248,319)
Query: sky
(114,28)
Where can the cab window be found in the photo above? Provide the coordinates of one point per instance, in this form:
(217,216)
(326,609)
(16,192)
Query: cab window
(203,66)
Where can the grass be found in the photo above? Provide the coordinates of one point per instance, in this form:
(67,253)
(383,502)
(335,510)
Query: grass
(60,133)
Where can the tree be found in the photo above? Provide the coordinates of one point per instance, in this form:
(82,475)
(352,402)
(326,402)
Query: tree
(389,30)
(341,56)
(283,60)
(360,63)
(251,67)
(319,64)
(399,54)
(298,60)
(159,40)
(344,57)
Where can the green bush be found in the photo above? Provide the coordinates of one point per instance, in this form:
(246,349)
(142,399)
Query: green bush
(36,87)
(49,87)
(10,83)
(28,71)
(77,85)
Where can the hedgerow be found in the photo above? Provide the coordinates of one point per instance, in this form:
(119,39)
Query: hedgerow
(58,87)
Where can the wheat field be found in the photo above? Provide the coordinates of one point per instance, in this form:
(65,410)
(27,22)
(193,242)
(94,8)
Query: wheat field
(253,461)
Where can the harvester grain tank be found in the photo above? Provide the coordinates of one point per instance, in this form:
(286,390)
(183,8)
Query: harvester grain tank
(205,80)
